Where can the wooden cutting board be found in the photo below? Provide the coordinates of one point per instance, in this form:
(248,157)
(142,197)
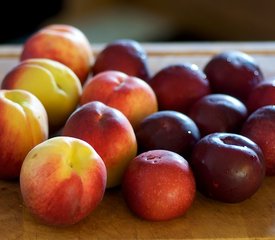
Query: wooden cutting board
(206,219)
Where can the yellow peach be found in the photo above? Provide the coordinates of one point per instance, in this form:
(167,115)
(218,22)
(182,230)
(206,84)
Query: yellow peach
(54,84)
(62,180)
(24,124)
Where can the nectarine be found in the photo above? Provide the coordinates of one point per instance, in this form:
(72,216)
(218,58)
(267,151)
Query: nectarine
(54,84)
(62,43)
(131,95)
(62,180)
(109,132)
(23,125)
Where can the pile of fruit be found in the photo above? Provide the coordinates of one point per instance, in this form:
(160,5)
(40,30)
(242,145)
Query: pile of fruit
(90,123)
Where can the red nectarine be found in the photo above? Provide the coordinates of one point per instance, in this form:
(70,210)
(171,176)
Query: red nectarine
(131,95)
(109,132)
(63,43)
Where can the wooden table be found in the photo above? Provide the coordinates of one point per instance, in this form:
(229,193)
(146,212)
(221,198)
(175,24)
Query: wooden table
(206,219)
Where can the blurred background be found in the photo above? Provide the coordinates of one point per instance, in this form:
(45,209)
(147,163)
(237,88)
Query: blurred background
(143,20)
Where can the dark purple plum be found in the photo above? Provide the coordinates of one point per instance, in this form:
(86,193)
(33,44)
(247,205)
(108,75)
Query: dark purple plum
(234,73)
(228,167)
(218,113)
(168,130)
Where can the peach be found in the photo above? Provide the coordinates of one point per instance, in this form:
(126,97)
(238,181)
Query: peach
(63,43)
(24,124)
(109,132)
(131,95)
(54,84)
(62,180)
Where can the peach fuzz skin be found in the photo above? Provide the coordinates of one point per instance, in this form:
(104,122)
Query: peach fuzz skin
(131,95)
(71,47)
(54,84)
(109,132)
(62,180)
(24,124)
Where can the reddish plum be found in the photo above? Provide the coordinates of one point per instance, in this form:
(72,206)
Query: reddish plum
(259,127)
(218,113)
(234,73)
(178,86)
(263,94)
(123,55)
(159,185)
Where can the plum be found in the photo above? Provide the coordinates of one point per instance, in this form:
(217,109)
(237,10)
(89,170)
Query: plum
(259,127)
(125,55)
(159,185)
(178,86)
(234,73)
(218,113)
(227,167)
(168,130)
(263,94)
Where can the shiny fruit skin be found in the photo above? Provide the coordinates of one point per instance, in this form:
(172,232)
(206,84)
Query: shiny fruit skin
(259,127)
(234,73)
(159,185)
(178,86)
(228,167)
(125,55)
(218,113)
(169,130)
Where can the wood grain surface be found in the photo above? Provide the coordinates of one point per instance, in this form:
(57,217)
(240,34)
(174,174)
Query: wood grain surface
(206,219)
